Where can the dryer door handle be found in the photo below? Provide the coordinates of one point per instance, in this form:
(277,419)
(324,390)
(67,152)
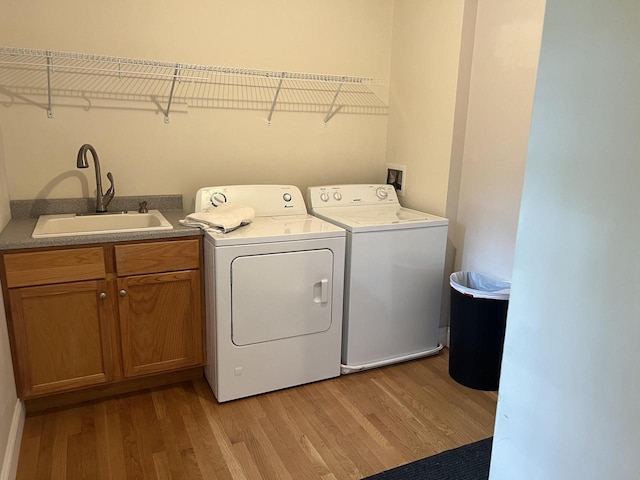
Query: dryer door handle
(324,290)
(323,287)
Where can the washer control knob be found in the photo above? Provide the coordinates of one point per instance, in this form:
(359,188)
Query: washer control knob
(324,196)
(382,193)
(218,198)
(286,197)
(337,196)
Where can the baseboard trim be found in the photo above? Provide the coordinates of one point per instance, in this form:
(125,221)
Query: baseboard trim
(445,333)
(10,461)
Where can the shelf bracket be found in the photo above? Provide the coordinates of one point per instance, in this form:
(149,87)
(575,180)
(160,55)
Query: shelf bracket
(49,69)
(275,97)
(331,111)
(173,86)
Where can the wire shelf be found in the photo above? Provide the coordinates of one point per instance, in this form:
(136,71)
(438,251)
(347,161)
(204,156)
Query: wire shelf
(47,78)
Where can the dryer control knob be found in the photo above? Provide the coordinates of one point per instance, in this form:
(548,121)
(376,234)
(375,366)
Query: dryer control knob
(218,198)
(324,196)
(382,193)
(286,197)
(337,196)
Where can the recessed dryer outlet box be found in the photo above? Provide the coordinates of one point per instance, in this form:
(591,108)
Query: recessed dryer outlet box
(397,176)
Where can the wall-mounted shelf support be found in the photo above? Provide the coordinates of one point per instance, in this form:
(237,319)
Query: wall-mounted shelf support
(275,97)
(99,81)
(331,111)
(173,86)
(49,67)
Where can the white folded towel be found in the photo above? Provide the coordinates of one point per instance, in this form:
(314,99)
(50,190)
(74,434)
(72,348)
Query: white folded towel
(223,218)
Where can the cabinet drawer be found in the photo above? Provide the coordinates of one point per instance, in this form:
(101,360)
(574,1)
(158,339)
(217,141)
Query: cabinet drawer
(154,257)
(57,266)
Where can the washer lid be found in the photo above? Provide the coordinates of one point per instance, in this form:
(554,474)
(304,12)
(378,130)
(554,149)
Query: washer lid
(283,228)
(379,217)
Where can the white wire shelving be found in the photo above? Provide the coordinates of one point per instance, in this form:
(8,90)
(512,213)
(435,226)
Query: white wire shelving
(49,79)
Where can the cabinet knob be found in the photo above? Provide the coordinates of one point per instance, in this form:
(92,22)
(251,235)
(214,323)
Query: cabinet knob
(103,295)
(123,293)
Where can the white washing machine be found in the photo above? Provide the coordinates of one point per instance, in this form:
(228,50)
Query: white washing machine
(274,291)
(394,274)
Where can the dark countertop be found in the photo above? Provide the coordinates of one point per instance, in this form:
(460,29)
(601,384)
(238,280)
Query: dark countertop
(17,234)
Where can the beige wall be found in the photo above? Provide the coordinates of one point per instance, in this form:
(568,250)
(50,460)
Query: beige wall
(503,74)
(424,75)
(8,398)
(202,146)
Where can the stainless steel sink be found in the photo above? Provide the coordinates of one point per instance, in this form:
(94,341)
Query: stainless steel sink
(66,225)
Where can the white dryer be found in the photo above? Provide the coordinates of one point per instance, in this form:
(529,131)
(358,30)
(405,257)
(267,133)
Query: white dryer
(274,291)
(394,274)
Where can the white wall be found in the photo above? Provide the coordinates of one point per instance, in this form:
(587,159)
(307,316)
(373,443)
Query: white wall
(11,412)
(203,146)
(503,72)
(568,405)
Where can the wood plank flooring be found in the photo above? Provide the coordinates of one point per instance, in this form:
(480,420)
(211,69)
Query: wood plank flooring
(343,428)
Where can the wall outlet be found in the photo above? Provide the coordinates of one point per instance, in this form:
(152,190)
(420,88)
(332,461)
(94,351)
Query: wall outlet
(397,176)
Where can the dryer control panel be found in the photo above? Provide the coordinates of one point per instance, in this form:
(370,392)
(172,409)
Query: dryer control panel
(351,195)
(266,200)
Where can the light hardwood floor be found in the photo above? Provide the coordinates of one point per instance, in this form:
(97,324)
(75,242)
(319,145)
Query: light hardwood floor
(344,428)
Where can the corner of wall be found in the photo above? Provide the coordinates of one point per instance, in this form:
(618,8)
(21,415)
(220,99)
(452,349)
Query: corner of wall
(457,148)
(5,212)
(461,109)
(12,451)
(12,410)
(488,166)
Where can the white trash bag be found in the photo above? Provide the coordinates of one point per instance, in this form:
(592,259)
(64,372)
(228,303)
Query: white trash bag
(479,285)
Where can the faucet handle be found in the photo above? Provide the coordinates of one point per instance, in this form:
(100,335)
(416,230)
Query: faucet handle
(110,191)
(143,207)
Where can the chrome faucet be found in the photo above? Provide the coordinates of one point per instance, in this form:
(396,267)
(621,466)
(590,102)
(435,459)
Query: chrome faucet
(102,199)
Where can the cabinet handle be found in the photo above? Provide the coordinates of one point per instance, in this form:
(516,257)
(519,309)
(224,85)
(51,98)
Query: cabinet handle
(123,293)
(103,295)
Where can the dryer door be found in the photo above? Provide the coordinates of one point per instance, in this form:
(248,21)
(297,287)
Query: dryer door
(280,295)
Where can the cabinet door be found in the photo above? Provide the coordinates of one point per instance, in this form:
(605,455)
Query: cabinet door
(62,336)
(160,322)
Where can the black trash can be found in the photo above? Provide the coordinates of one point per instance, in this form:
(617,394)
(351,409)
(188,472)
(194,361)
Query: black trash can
(478,319)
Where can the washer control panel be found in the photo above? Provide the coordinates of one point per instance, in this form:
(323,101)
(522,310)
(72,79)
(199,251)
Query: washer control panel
(351,195)
(266,200)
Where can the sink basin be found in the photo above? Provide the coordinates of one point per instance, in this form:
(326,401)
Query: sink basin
(66,225)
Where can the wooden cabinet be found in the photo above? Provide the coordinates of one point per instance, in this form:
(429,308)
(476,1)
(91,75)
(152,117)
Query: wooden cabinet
(88,316)
(61,336)
(160,313)
(159,324)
